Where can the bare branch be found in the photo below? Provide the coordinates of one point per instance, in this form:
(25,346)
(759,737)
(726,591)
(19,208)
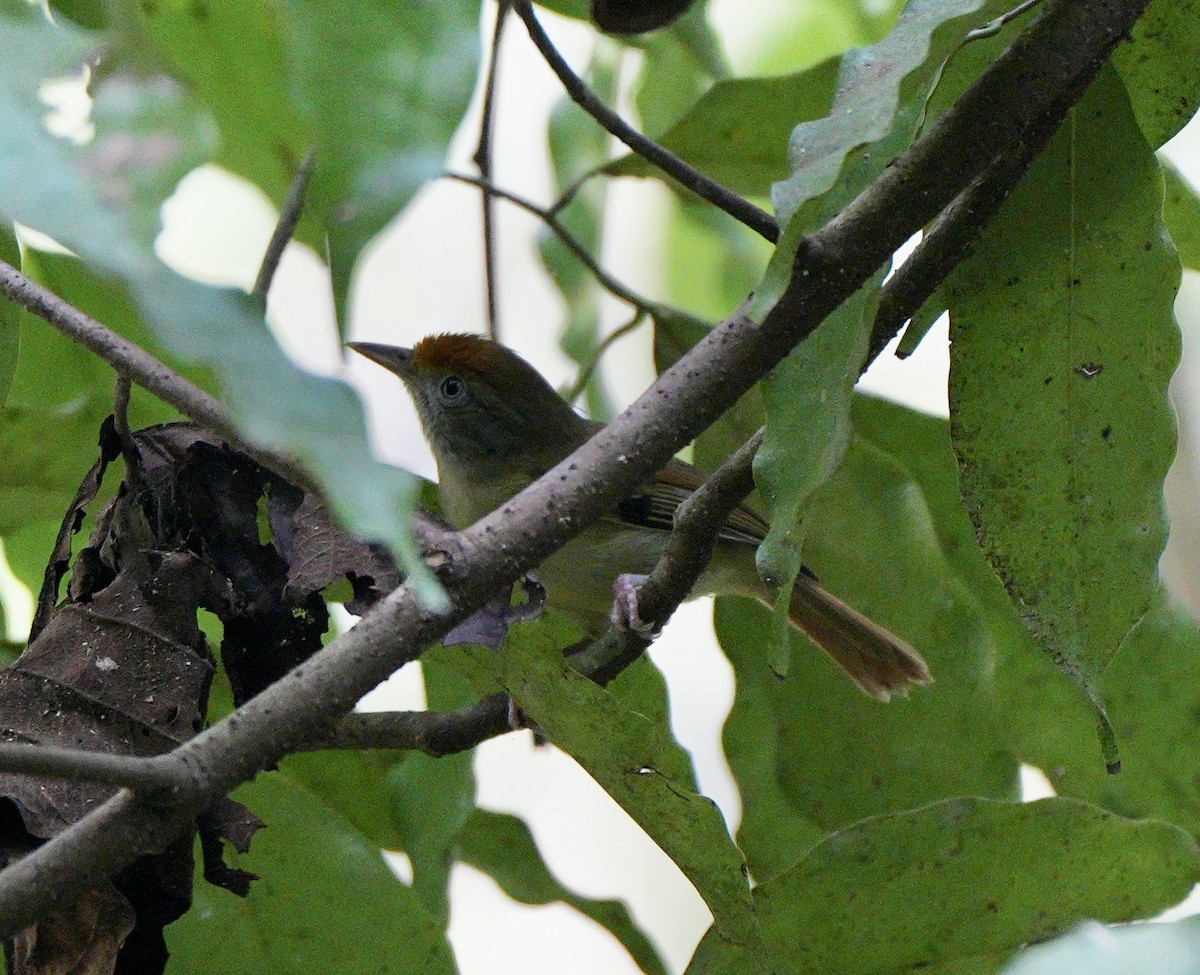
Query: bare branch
(952,237)
(832,263)
(433,732)
(289,217)
(148,775)
(483,159)
(742,210)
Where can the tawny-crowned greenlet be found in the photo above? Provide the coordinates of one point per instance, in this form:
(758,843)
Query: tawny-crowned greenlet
(495,425)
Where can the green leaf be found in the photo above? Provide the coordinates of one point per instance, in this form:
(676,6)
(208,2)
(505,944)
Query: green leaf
(502,847)
(875,112)
(1181,214)
(1092,949)
(10,315)
(1160,66)
(737,132)
(325,901)
(432,800)
(678,64)
(1039,713)
(46,185)
(46,453)
(964,878)
(812,750)
(353,784)
(231,53)
(874,97)
(635,761)
(148,136)
(383,87)
(1062,345)
(807,400)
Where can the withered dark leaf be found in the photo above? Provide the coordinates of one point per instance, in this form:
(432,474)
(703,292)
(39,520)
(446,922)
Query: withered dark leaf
(127,673)
(81,939)
(489,626)
(60,556)
(319,553)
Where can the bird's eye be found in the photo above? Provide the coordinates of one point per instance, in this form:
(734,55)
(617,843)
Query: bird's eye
(452,389)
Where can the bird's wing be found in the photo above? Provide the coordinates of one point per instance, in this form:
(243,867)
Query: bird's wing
(654,505)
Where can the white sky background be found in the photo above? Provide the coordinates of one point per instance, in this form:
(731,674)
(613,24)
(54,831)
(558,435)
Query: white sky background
(424,275)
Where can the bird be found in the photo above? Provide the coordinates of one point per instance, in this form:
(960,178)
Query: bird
(494,425)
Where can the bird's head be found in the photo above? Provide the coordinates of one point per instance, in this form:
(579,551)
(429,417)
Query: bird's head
(478,400)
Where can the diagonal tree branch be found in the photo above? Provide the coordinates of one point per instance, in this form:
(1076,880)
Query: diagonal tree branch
(1049,64)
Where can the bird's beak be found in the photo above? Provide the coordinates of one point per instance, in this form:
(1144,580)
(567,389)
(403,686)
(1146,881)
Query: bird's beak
(391,357)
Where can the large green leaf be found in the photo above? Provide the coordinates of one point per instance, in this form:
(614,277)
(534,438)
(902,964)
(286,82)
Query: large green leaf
(1160,66)
(46,184)
(1063,343)
(634,759)
(812,749)
(232,54)
(502,847)
(876,109)
(383,87)
(324,901)
(1039,712)
(964,878)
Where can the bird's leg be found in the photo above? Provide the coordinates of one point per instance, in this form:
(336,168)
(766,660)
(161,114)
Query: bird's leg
(625,607)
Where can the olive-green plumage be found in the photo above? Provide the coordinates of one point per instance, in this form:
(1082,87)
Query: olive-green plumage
(495,425)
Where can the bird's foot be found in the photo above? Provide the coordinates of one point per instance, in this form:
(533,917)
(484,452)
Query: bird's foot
(625,608)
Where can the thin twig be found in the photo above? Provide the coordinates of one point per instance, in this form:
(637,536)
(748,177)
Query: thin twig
(606,280)
(289,217)
(146,774)
(129,450)
(993,27)
(483,159)
(686,175)
(589,367)
(142,368)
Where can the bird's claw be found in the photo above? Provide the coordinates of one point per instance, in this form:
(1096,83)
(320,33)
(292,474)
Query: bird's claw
(625,615)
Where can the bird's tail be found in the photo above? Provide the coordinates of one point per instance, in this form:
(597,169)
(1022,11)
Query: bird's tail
(879,662)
